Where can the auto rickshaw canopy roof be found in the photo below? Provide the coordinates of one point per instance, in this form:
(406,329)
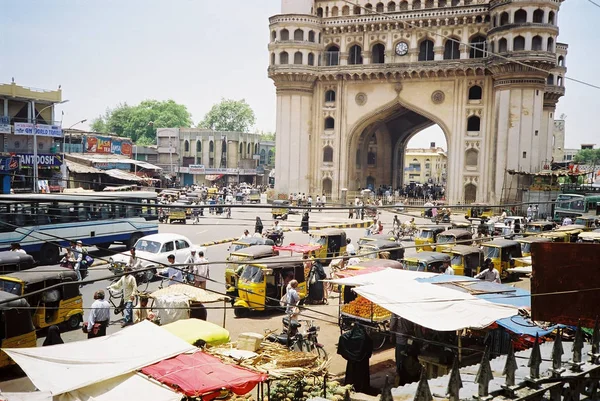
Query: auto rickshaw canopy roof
(8,301)
(375,237)
(279,202)
(376,263)
(532,239)
(464,250)
(429,257)
(382,244)
(278,262)
(15,258)
(457,233)
(256,252)
(328,232)
(591,235)
(298,248)
(500,243)
(435,229)
(571,228)
(193,293)
(255,241)
(43,273)
(540,223)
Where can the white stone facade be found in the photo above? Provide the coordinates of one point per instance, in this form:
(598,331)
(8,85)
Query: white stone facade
(354,85)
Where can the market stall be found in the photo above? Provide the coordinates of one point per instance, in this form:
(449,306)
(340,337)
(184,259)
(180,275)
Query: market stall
(198,332)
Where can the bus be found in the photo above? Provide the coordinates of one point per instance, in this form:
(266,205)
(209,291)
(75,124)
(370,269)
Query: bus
(43,223)
(574,205)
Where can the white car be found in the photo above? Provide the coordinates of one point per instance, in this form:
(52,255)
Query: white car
(153,250)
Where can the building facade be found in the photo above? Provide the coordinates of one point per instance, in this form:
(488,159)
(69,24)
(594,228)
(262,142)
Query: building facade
(425,165)
(558,135)
(356,82)
(199,156)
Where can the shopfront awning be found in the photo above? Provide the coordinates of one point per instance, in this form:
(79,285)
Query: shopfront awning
(139,163)
(123,175)
(79,168)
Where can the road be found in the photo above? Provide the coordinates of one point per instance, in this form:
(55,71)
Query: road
(213,228)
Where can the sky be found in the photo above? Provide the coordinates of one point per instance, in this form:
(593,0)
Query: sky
(197,52)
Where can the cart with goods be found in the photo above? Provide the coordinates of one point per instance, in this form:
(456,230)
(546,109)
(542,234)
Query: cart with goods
(375,318)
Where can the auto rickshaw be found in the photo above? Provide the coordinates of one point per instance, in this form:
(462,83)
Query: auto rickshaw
(527,241)
(555,236)
(332,242)
(281,209)
(589,237)
(502,252)
(381,249)
(590,221)
(427,235)
(248,242)
(538,227)
(466,260)
(177,214)
(263,283)
(232,269)
(15,261)
(479,211)
(461,225)
(449,238)
(571,232)
(16,327)
(426,262)
(63,303)
(377,237)
(254,196)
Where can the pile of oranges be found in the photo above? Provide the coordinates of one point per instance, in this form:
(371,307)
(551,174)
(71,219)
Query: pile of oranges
(366,309)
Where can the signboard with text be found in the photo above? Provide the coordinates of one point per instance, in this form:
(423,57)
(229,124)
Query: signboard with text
(5,125)
(9,163)
(196,169)
(40,129)
(43,160)
(112,166)
(107,145)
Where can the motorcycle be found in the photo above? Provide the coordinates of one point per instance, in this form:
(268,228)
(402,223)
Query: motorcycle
(83,266)
(441,218)
(276,236)
(295,340)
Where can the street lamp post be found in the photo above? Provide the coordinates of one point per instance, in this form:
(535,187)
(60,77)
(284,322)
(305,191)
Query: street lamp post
(65,175)
(35,153)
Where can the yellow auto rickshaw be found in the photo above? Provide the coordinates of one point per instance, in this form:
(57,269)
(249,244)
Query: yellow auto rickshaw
(177,215)
(571,232)
(426,262)
(53,306)
(427,235)
(447,239)
(538,227)
(466,260)
(555,236)
(381,249)
(233,269)
(590,221)
(461,225)
(479,211)
(263,283)
(249,242)
(502,252)
(527,241)
(254,196)
(16,327)
(589,237)
(376,237)
(332,242)
(280,208)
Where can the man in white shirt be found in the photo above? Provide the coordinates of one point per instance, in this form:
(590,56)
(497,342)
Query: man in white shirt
(201,271)
(128,285)
(99,314)
(276,227)
(567,221)
(134,262)
(78,253)
(350,249)
(191,262)
(175,274)
(246,234)
(447,269)
(490,273)
(16,247)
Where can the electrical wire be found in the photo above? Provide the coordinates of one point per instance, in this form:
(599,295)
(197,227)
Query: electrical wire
(594,3)
(434,33)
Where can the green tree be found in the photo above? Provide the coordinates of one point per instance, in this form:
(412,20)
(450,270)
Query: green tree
(268,136)
(229,115)
(140,122)
(588,156)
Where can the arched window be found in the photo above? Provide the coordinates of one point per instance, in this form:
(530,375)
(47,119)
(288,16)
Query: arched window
(520,16)
(551,17)
(441,3)
(455,3)
(327,154)
(428,3)
(391,7)
(356,10)
(473,123)
(471,156)
(272,58)
(470,193)
(478,47)
(426,50)
(256,148)
(329,123)
(519,43)
(241,148)
(559,81)
(223,146)
(283,58)
(330,96)
(550,80)
(320,12)
(332,55)
(335,11)
(368,8)
(186,145)
(550,46)
(299,35)
(372,157)
(358,159)
(538,16)
(211,146)
(273,35)
(495,21)
(416,5)
(355,55)
(491,47)
(249,149)
(536,43)
(311,36)
(298,58)
(502,45)
(284,34)
(504,18)
(403,5)
(198,146)
(475,92)
(451,49)
(263,156)
(327,187)
(379,7)
(271,157)
(561,61)
(345,10)
(378,54)
(311,59)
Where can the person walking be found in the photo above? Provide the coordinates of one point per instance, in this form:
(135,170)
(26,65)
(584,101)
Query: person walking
(201,271)
(128,286)
(99,316)
(315,284)
(78,254)
(292,299)
(191,262)
(304,223)
(174,274)
(258,226)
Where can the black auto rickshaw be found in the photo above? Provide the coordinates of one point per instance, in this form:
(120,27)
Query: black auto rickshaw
(53,306)
(234,266)
(11,262)
(538,227)
(16,326)
(466,260)
(479,211)
(332,242)
(427,237)
(381,249)
(248,242)
(449,238)
(280,209)
(376,237)
(263,283)
(426,262)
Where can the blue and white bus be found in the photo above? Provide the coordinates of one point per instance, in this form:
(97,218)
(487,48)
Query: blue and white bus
(42,223)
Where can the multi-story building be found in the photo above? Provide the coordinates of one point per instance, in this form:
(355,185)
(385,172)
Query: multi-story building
(425,165)
(356,81)
(200,156)
(558,137)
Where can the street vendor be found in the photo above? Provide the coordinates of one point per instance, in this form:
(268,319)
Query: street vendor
(315,285)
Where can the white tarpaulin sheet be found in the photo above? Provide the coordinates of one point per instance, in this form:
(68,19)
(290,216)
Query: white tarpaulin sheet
(383,276)
(33,396)
(435,307)
(123,388)
(171,308)
(66,367)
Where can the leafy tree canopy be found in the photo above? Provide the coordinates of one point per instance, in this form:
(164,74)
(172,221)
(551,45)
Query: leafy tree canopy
(268,136)
(140,122)
(229,115)
(588,156)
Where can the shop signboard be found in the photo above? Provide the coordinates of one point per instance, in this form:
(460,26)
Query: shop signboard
(112,166)
(196,169)
(97,144)
(9,163)
(4,125)
(40,129)
(126,148)
(43,160)
(115,146)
